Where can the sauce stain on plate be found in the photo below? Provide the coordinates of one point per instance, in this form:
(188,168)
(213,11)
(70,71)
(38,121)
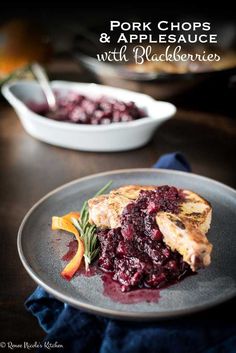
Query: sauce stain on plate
(111,288)
(72,248)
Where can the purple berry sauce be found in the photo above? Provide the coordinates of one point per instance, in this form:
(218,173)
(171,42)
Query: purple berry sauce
(79,109)
(135,253)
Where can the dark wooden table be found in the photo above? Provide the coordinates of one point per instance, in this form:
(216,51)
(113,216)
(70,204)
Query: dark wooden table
(29,169)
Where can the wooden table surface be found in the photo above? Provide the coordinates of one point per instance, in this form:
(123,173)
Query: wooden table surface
(29,169)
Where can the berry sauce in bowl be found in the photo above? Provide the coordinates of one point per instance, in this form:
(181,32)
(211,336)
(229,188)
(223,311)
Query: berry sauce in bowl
(91,118)
(80,109)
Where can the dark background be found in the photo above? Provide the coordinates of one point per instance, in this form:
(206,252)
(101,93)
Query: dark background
(204,130)
(62,24)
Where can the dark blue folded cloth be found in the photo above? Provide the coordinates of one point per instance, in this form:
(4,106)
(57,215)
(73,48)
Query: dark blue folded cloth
(79,332)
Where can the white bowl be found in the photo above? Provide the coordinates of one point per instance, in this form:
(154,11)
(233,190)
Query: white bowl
(111,137)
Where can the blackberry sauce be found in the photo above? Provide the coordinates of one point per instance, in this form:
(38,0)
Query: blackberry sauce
(135,253)
(80,109)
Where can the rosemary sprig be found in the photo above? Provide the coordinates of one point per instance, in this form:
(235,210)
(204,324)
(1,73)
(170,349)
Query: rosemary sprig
(88,231)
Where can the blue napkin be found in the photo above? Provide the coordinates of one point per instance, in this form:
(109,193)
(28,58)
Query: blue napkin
(77,331)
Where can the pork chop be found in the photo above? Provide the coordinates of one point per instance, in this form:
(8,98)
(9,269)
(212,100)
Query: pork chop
(184,232)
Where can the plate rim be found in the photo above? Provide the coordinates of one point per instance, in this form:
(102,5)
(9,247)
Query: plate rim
(98,310)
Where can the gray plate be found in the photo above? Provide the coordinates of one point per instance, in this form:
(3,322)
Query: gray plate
(41,251)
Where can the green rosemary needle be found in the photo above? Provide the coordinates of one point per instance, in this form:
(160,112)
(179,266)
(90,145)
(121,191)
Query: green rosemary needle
(88,231)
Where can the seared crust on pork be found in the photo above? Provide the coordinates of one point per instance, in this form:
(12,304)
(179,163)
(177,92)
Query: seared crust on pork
(182,234)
